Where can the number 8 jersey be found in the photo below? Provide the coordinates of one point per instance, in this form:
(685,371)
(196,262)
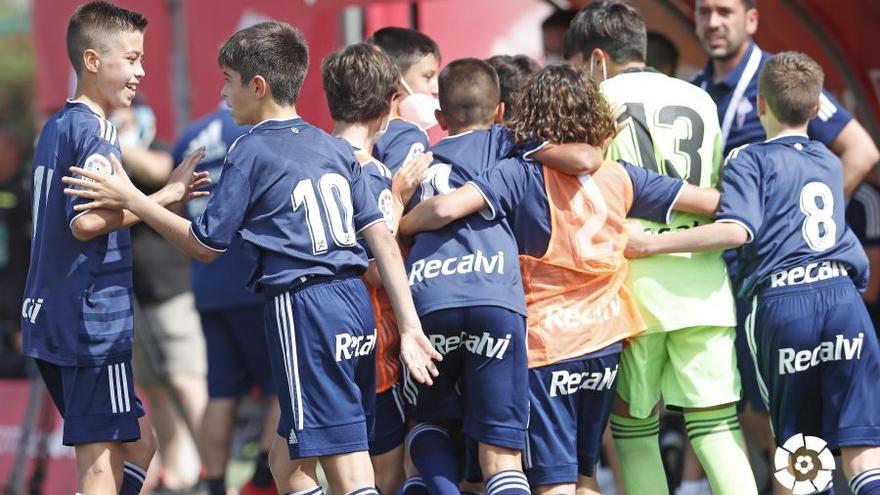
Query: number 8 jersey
(297,197)
(673,130)
(788,194)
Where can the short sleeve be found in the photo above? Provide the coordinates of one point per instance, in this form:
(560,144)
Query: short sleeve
(225,213)
(741,197)
(93,156)
(831,120)
(503,139)
(406,144)
(366,210)
(654,195)
(503,186)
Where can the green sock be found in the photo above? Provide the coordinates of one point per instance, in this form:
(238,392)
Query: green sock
(718,443)
(638,449)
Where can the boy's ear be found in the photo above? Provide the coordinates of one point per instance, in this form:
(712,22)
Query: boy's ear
(762,105)
(261,86)
(499,113)
(441,119)
(815,110)
(91,60)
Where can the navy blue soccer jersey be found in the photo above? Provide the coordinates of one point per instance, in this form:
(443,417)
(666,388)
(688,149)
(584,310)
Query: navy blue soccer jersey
(221,284)
(515,189)
(298,199)
(472,261)
(378,178)
(78,300)
(744,126)
(788,194)
(401,141)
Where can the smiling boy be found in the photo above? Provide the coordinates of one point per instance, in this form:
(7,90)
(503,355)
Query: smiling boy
(77,311)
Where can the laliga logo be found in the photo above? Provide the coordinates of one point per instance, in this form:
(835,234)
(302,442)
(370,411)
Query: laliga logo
(804,464)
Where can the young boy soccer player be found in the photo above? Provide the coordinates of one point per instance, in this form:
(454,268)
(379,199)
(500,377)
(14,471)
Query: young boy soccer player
(231,317)
(467,288)
(686,357)
(418,60)
(298,199)
(570,236)
(816,352)
(77,311)
(360,83)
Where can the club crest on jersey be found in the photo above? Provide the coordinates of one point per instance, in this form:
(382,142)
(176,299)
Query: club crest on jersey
(386,207)
(99,164)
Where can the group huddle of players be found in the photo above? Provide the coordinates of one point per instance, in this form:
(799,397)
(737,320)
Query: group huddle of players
(492,356)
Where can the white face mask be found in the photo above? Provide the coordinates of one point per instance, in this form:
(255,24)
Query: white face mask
(383,128)
(419,108)
(593,67)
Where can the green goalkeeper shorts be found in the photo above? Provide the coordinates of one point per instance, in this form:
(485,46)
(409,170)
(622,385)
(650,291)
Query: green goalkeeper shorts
(693,367)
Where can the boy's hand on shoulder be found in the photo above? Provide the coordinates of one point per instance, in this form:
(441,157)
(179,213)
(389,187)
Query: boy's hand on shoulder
(418,354)
(410,175)
(108,191)
(639,243)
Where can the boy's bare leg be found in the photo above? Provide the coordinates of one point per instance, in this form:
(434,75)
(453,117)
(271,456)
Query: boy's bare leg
(216,434)
(388,468)
(348,472)
(291,476)
(560,489)
(99,467)
(588,485)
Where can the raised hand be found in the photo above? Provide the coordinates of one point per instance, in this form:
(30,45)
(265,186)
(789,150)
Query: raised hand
(419,355)
(182,178)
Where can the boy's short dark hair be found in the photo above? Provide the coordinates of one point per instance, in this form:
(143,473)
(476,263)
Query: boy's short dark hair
(92,22)
(560,18)
(514,71)
(405,46)
(612,26)
(469,92)
(661,51)
(359,81)
(791,82)
(562,105)
(270,49)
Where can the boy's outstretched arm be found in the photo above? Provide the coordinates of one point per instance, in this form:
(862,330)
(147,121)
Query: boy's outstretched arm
(100,219)
(415,349)
(701,200)
(570,158)
(711,237)
(439,211)
(115,192)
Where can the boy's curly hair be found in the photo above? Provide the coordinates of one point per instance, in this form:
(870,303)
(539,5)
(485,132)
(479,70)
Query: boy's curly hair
(562,105)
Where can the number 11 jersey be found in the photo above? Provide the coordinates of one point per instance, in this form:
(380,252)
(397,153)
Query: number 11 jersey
(673,130)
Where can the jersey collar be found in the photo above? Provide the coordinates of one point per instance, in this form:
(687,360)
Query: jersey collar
(789,137)
(733,78)
(278,123)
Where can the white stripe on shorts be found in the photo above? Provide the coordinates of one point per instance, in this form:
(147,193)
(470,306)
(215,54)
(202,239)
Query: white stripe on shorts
(125,388)
(281,322)
(113,405)
(296,384)
(753,348)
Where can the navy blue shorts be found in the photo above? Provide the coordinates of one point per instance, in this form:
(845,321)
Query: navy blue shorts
(390,424)
(98,403)
(570,406)
(819,360)
(322,341)
(237,352)
(483,375)
(751,395)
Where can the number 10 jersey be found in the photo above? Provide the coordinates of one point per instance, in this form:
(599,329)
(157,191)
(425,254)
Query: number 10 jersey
(673,130)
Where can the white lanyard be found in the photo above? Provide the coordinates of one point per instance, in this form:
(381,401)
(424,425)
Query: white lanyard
(748,74)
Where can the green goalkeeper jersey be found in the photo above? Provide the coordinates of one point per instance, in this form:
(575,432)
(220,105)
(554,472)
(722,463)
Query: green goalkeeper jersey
(673,130)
